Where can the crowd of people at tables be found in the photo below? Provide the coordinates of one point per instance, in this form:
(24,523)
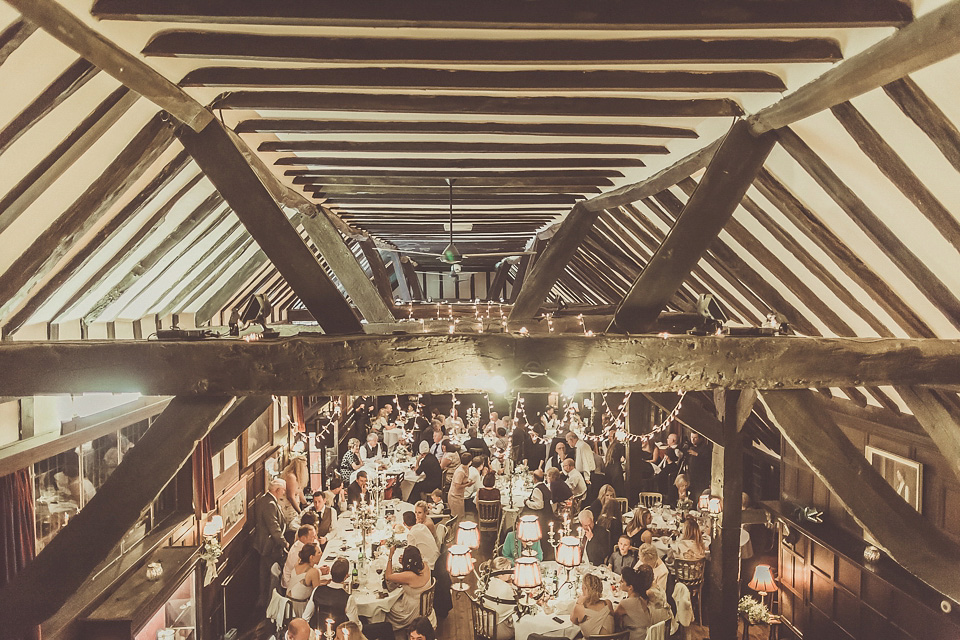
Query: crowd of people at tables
(460,463)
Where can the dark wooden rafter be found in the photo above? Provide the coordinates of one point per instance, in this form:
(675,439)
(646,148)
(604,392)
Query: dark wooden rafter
(246,46)
(58,239)
(416,199)
(412,280)
(378,271)
(83,256)
(602,14)
(59,570)
(460,362)
(451,165)
(132,275)
(562,175)
(723,185)
(64,86)
(898,172)
(479,104)
(493,180)
(921,275)
(926,552)
(540,80)
(386,191)
(403,287)
(64,155)
(129,69)
(925,113)
(524,266)
(937,412)
(13,36)
(498,285)
(222,162)
(429,146)
(443,127)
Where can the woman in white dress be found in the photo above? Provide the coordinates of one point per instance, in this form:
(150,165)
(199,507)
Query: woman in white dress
(414,578)
(592,613)
(305,578)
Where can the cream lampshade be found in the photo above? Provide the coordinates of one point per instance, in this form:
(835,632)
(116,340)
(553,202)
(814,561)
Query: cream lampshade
(459,564)
(528,529)
(704,503)
(762,581)
(526,573)
(714,506)
(213,526)
(468,535)
(569,553)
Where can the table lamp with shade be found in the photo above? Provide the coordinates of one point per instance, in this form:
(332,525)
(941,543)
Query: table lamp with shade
(526,577)
(715,508)
(762,581)
(569,555)
(468,535)
(528,532)
(213,526)
(459,565)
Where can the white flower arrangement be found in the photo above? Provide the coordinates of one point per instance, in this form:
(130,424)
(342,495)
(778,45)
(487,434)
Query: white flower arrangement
(756,612)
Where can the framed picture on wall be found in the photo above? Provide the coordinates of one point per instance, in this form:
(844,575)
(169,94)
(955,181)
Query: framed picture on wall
(257,439)
(232,506)
(903,474)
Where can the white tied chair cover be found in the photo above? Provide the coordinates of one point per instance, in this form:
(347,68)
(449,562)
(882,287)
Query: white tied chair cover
(657,631)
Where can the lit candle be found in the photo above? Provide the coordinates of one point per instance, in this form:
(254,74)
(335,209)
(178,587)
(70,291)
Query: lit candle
(330,625)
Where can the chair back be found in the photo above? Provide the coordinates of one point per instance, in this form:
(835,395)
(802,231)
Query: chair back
(624,505)
(489,512)
(657,631)
(619,635)
(441,533)
(484,621)
(451,532)
(689,572)
(650,499)
(310,606)
(426,598)
(476,452)
(280,610)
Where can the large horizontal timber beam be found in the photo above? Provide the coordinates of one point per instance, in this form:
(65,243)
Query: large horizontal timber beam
(71,557)
(923,42)
(378,364)
(897,528)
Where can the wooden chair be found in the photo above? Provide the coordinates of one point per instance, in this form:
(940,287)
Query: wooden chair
(624,505)
(426,599)
(650,499)
(577,501)
(484,621)
(490,513)
(690,573)
(619,635)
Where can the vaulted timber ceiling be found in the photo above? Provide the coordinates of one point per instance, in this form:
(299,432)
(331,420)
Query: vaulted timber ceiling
(850,228)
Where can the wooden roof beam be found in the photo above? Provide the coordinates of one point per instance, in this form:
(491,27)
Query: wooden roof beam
(565,148)
(439,126)
(378,271)
(463,363)
(451,165)
(413,281)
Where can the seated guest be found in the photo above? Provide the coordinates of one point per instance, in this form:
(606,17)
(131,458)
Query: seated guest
(338,489)
(607,494)
(592,613)
(437,447)
(610,519)
(421,537)
(650,557)
(690,545)
(421,629)
(638,611)
(429,474)
(639,527)
(680,491)
(501,598)
(357,491)
(622,556)
(436,502)
(330,599)
(304,577)
(349,631)
(422,511)
(513,548)
(502,443)
(306,534)
(473,442)
(374,449)
(326,515)
(574,479)
(559,490)
(595,541)
(350,461)
(558,454)
(488,491)
(298,629)
(414,578)
(310,518)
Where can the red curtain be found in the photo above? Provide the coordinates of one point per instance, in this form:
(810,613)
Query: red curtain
(17,536)
(298,413)
(203,476)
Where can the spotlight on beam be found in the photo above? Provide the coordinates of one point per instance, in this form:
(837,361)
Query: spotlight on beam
(570,386)
(256,311)
(498,384)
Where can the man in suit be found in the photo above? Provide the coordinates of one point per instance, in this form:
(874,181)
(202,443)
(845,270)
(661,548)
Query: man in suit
(585,462)
(326,515)
(330,599)
(430,475)
(473,442)
(595,541)
(357,491)
(268,535)
(374,449)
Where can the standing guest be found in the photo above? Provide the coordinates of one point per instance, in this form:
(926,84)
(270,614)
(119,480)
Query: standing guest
(473,442)
(595,540)
(476,479)
(592,613)
(362,410)
(304,578)
(415,578)
(350,461)
(306,534)
(268,535)
(699,461)
(357,491)
(613,463)
(650,557)
(501,598)
(422,538)
(326,515)
(536,454)
(610,519)
(521,446)
(540,503)
(549,422)
(583,454)
(450,460)
(578,486)
(488,491)
(690,545)
(623,556)
(639,527)
(454,424)
(429,473)
(559,490)
(330,599)
(296,478)
(458,486)
(298,629)
(374,449)
(638,611)
(669,468)
(421,629)
(422,511)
